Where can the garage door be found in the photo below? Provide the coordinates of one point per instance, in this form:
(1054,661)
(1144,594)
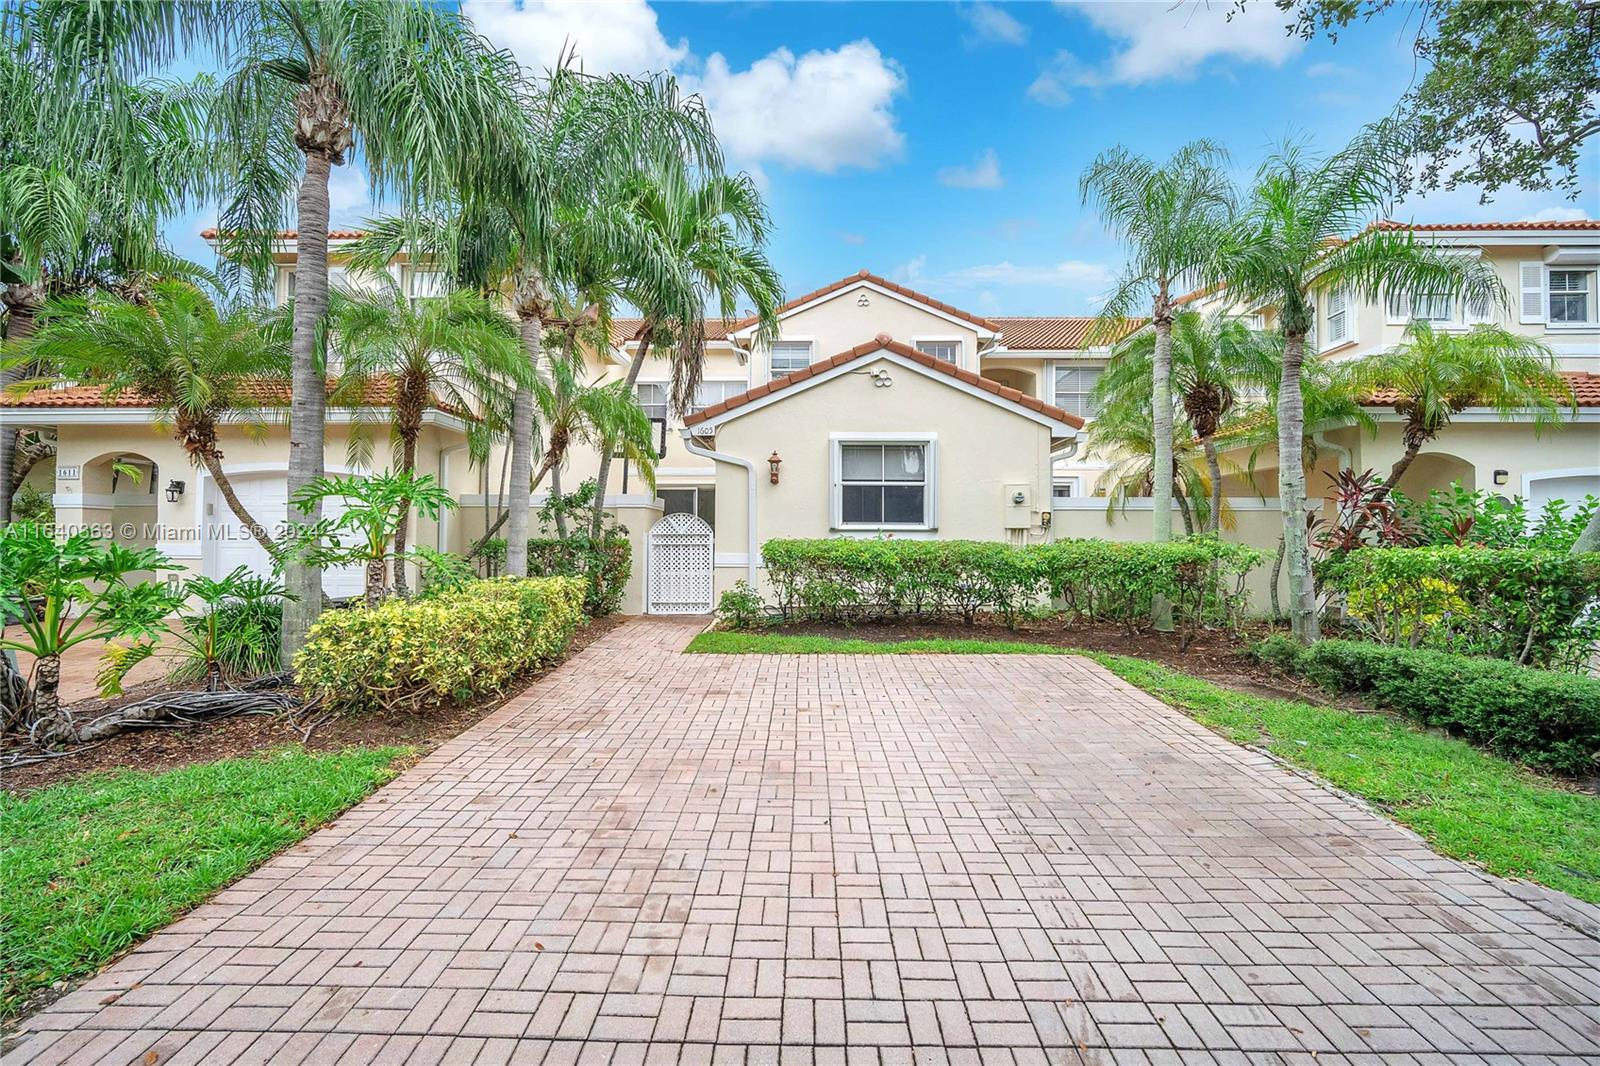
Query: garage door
(1569,488)
(265,496)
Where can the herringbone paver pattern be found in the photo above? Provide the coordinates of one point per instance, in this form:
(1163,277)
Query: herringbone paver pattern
(652,857)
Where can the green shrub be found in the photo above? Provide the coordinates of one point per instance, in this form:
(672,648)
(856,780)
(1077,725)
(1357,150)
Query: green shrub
(1526,605)
(1460,516)
(1536,716)
(604,565)
(841,580)
(741,607)
(456,646)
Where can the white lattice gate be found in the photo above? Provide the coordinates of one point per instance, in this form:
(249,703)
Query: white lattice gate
(678,559)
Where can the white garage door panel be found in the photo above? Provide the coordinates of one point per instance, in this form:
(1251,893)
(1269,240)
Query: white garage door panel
(1571,489)
(265,496)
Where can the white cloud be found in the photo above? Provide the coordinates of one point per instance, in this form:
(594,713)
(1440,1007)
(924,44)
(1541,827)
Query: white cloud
(1328,70)
(609,36)
(1067,274)
(1047,89)
(910,271)
(818,111)
(1559,214)
(821,110)
(992,23)
(984,173)
(1157,41)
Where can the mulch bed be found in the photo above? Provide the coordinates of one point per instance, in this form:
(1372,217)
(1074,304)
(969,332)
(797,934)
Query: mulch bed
(169,748)
(1215,655)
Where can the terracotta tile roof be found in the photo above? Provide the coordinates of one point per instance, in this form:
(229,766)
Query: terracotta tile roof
(865,275)
(1486,227)
(883,342)
(288,234)
(627,329)
(267,393)
(1052,332)
(1585,386)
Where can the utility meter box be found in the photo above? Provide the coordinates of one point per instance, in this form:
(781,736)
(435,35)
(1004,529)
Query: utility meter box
(1018,506)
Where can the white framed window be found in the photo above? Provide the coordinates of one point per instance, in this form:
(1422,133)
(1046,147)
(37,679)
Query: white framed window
(287,274)
(947,349)
(421,284)
(883,482)
(1571,296)
(1073,388)
(698,500)
(653,398)
(1340,328)
(788,356)
(1065,488)
(714,392)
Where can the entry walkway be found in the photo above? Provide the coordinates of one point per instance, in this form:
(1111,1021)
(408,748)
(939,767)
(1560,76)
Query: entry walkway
(654,857)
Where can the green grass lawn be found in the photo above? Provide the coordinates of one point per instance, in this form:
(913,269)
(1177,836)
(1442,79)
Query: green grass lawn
(1467,803)
(90,866)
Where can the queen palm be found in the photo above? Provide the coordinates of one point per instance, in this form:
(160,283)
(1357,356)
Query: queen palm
(454,349)
(1293,241)
(716,226)
(1433,376)
(1213,357)
(575,410)
(1171,219)
(197,364)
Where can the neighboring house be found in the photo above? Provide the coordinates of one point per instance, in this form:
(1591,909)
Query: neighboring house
(877,411)
(1549,270)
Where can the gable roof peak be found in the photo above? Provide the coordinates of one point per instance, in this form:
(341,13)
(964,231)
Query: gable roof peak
(864,276)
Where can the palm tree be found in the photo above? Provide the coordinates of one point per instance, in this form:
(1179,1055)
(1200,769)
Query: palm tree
(1212,358)
(1124,434)
(90,164)
(1293,241)
(716,227)
(574,410)
(1171,217)
(455,349)
(195,363)
(1433,375)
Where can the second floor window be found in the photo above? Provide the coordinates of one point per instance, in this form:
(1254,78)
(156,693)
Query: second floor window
(653,398)
(1074,389)
(949,351)
(1571,296)
(714,392)
(1338,316)
(788,356)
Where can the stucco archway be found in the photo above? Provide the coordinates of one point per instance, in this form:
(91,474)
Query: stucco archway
(1439,471)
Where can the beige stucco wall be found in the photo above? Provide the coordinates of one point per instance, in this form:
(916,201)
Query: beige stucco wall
(980,449)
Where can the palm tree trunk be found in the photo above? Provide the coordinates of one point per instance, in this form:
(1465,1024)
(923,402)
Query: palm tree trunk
(1161,416)
(47,722)
(1272,587)
(1214,468)
(377,578)
(213,464)
(555,491)
(1188,519)
(309,395)
(22,306)
(518,509)
(402,526)
(1292,492)
(1401,465)
(537,479)
(596,519)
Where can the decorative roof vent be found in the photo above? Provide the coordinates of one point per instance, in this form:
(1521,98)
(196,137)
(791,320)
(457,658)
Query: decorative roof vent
(863,300)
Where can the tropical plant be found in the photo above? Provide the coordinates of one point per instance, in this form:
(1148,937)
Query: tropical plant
(91,163)
(195,363)
(1461,516)
(1432,375)
(1294,241)
(1213,358)
(1123,435)
(34,506)
(235,633)
(59,595)
(365,530)
(1171,218)
(1361,516)
(716,225)
(441,572)
(454,349)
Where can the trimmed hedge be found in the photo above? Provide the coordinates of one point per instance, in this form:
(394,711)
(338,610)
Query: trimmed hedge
(424,653)
(1526,605)
(1535,716)
(605,565)
(842,580)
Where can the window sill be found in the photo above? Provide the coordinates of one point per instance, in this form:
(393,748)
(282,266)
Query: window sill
(884,529)
(1341,346)
(1573,327)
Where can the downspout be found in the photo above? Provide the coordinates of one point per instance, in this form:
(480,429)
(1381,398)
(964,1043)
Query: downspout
(751,552)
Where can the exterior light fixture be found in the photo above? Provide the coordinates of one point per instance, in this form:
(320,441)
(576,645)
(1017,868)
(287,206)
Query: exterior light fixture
(174,491)
(773,461)
(1501,476)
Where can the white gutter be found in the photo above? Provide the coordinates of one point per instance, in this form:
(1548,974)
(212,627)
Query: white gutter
(751,552)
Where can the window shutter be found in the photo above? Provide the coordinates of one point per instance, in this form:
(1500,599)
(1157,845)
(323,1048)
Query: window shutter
(1397,309)
(1532,279)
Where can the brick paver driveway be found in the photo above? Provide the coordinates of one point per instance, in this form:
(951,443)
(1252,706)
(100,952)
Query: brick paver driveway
(657,857)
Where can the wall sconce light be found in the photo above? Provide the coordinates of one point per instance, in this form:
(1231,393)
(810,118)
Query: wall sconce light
(174,491)
(772,464)
(1501,476)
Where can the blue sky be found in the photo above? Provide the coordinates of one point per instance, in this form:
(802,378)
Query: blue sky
(940,144)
